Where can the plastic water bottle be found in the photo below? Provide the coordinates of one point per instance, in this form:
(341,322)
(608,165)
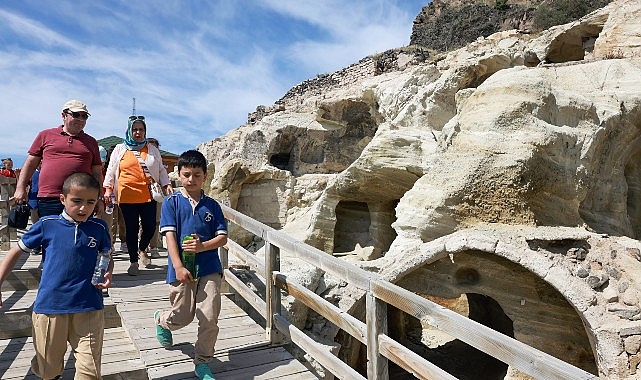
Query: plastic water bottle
(189,259)
(110,206)
(102,264)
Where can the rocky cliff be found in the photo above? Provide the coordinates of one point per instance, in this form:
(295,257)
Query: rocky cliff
(500,180)
(444,25)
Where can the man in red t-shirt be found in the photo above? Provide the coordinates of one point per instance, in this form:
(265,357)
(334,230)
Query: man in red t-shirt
(63,150)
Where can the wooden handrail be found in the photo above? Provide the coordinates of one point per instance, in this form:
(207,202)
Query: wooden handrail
(379,294)
(7,189)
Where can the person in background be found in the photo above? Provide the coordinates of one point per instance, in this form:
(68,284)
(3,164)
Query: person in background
(7,168)
(132,166)
(62,151)
(108,218)
(68,308)
(190,213)
(156,240)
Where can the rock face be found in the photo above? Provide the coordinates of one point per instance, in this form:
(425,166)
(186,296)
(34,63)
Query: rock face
(501,180)
(444,25)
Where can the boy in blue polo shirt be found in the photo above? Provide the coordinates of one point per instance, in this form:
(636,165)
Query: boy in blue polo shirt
(190,212)
(68,307)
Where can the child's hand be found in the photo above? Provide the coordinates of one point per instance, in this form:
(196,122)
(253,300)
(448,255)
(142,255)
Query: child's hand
(183,275)
(193,245)
(107,282)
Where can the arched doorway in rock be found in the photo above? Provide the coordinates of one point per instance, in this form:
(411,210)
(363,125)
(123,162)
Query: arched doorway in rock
(452,355)
(508,298)
(495,292)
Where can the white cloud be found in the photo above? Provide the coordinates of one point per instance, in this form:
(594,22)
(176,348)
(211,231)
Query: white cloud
(195,68)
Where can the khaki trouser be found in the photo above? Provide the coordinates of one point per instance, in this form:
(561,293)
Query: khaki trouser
(200,299)
(83,331)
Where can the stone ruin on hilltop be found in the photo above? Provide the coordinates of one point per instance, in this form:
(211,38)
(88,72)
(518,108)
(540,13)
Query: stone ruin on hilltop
(501,180)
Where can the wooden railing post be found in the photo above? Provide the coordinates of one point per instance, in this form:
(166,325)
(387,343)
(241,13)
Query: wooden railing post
(272,264)
(7,188)
(224,260)
(376,319)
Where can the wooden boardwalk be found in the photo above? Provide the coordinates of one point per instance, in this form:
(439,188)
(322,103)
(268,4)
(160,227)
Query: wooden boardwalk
(131,350)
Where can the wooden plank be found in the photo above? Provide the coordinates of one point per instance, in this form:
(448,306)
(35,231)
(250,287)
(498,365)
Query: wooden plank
(335,315)
(272,296)
(322,260)
(244,291)
(376,319)
(517,354)
(410,361)
(22,279)
(269,363)
(247,257)
(118,353)
(311,347)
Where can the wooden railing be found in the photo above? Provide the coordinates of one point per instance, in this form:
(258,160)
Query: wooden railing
(372,333)
(7,188)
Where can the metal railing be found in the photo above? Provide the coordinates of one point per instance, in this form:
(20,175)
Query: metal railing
(373,333)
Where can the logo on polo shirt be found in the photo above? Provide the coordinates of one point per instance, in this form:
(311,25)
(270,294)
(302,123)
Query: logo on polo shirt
(208,217)
(92,242)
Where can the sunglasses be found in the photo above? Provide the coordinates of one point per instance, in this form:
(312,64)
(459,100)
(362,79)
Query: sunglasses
(136,118)
(78,115)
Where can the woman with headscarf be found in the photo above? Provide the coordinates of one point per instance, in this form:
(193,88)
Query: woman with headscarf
(133,165)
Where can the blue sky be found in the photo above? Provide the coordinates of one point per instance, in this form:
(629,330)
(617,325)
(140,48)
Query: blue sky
(196,68)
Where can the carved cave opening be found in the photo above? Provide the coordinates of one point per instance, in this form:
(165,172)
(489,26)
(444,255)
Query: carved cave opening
(495,292)
(281,160)
(575,44)
(507,298)
(452,355)
(362,226)
(262,200)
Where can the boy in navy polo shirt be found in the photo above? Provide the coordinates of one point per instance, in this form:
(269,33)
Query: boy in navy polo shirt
(68,308)
(190,212)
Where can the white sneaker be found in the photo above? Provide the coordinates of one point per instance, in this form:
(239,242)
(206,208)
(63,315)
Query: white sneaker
(143,259)
(133,269)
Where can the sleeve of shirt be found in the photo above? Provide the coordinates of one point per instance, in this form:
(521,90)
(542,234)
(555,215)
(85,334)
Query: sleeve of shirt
(219,220)
(168,215)
(37,146)
(106,237)
(32,238)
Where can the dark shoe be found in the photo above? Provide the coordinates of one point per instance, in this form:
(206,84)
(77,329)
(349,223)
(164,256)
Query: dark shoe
(162,334)
(133,269)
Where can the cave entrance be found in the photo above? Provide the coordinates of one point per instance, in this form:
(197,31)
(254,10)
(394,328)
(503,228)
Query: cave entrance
(452,355)
(281,161)
(364,228)
(352,226)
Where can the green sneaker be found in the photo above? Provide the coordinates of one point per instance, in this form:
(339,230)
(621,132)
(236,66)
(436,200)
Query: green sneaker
(203,372)
(162,334)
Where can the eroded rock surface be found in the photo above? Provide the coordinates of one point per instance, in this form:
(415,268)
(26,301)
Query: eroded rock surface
(513,158)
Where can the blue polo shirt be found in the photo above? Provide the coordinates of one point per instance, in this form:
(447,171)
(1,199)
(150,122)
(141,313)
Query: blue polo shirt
(205,219)
(72,250)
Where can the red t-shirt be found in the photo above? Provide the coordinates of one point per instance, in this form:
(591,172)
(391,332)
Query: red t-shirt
(62,155)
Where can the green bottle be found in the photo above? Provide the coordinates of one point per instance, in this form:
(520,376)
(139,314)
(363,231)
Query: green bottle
(189,259)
